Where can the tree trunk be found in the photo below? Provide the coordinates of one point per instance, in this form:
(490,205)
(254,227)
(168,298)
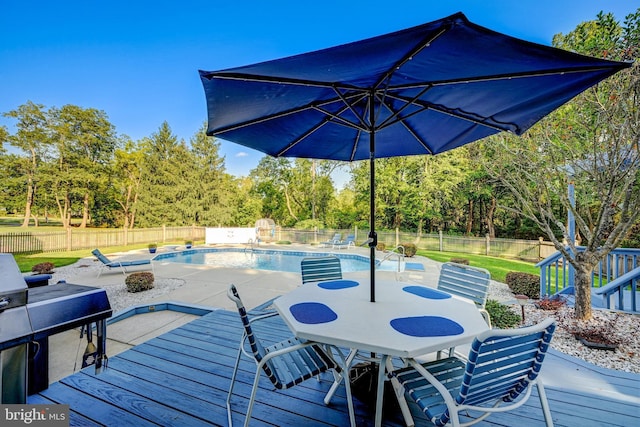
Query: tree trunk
(28,204)
(584,266)
(85,211)
(63,209)
(491,229)
(470,217)
(288,200)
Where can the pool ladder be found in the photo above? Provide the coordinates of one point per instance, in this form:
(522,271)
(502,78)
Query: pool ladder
(397,252)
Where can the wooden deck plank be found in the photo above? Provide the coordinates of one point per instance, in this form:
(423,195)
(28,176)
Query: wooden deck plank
(91,407)
(182,377)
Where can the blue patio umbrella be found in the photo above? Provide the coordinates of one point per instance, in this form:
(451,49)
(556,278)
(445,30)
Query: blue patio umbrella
(422,90)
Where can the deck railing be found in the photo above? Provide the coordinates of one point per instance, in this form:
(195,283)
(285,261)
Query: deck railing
(617,273)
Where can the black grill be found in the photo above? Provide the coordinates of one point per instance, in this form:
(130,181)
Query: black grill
(32,315)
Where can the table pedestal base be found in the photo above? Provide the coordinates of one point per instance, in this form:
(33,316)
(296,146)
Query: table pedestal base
(364,386)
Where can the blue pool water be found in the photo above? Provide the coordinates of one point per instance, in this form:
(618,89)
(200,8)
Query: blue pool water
(263,259)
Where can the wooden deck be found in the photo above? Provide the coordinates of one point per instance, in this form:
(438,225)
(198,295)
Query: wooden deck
(181,379)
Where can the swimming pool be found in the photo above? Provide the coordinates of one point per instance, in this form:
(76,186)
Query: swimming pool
(264,259)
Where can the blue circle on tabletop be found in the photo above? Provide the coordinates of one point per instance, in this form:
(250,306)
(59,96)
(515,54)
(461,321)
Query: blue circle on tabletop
(338,284)
(426,326)
(312,313)
(423,292)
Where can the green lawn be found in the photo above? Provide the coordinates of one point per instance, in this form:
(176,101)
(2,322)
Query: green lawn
(498,267)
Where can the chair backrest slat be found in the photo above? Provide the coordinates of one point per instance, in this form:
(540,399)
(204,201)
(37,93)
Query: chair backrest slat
(317,269)
(465,281)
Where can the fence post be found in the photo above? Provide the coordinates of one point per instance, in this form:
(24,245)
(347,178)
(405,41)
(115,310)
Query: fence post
(540,240)
(440,238)
(69,239)
(397,237)
(487,245)
(164,233)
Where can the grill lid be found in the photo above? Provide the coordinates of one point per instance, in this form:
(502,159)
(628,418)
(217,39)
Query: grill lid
(13,288)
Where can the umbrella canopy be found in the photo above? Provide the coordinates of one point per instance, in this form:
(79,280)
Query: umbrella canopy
(423,90)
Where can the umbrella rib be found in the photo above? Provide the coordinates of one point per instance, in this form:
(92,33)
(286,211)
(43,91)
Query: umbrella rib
(328,117)
(419,47)
(350,106)
(279,80)
(286,113)
(395,115)
(495,77)
(464,115)
(403,122)
(302,137)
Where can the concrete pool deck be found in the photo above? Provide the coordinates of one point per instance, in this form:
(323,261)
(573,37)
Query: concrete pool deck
(203,286)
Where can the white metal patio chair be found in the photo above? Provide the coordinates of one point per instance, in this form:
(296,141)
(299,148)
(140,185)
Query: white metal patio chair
(467,282)
(502,368)
(317,269)
(286,363)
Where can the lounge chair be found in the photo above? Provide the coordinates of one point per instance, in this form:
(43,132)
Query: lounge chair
(317,269)
(106,263)
(346,243)
(501,369)
(286,363)
(329,243)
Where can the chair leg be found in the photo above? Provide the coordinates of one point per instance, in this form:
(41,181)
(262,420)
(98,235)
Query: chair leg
(544,403)
(338,377)
(399,392)
(347,387)
(344,375)
(233,379)
(254,391)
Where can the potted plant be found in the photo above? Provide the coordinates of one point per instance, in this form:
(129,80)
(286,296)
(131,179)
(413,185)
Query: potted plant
(153,247)
(188,244)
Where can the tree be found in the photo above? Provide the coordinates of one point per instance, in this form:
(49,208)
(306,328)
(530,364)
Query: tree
(33,139)
(127,179)
(212,187)
(593,141)
(85,141)
(163,183)
(272,181)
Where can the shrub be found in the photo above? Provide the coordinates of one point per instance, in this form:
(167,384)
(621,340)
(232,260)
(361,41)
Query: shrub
(460,261)
(409,249)
(381,246)
(501,315)
(138,282)
(524,283)
(43,268)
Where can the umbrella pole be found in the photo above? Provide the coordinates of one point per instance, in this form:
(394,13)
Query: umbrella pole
(373,237)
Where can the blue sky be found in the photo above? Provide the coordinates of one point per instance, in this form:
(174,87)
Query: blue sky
(138,60)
